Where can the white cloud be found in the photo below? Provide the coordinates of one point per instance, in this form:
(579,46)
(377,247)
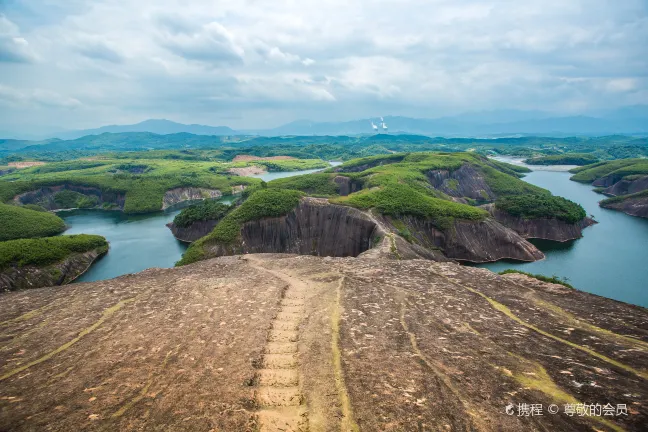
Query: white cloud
(264,62)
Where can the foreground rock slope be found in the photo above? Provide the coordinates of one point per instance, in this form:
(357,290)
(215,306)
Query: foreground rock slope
(302,343)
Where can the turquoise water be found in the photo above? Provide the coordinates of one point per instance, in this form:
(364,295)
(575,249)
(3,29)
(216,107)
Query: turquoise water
(610,260)
(137,242)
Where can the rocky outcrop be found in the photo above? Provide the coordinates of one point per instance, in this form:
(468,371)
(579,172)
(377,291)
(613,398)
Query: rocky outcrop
(44,196)
(632,205)
(64,272)
(317,227)
(194,231)
(472,241)
(541,228)
(176,196)
(282,342)
(314,227)
(465,182)
(346,185)
(626,187)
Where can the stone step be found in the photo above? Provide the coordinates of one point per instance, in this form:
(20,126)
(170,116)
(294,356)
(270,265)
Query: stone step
(284,419)
(280,348)
(285,324)
(278,377)
(283,336)
(280,361)
(278,396)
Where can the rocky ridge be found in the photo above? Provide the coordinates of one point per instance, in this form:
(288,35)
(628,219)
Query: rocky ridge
(290,343)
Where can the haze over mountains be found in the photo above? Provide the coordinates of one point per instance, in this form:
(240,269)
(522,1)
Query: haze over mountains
(625,120)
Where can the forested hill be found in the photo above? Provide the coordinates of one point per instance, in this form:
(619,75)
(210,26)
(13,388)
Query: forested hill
(325,147)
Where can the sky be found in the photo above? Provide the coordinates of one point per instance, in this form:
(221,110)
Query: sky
(73,64)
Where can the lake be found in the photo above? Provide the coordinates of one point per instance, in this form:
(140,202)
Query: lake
(137,242)
(610,260)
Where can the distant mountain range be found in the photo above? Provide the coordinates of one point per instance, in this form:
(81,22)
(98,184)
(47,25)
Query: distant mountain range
(625,120)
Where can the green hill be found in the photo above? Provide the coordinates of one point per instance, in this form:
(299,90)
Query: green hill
(19,223)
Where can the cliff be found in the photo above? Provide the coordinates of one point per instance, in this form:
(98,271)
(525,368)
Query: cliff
(194,231)
(316,227)
(64,272)
(626,186)
(289,343)
(634,204)
(188,194)
(465,182)
(45,196)
(541,228)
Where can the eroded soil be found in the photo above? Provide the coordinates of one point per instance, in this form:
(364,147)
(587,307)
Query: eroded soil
(302,343)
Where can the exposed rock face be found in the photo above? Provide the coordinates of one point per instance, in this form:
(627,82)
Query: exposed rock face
(347,185)
(541,228)
(330,344)
(477,242)
(45,196)
(194,231)
(633,206)
(15,278)
(179,195)
(626,187)
(359,168)
(465,182)
(314,227)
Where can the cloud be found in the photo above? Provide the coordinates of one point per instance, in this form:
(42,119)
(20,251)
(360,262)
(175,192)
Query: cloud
(99,50)
(253,64)
(13,47)
(36,98)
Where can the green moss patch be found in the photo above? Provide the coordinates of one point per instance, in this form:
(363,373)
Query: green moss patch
(17,222)
(553,279)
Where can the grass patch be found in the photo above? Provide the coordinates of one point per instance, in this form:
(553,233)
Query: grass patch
(618,169)
(398,200)
(541,206)
(70,199)
(262,203)
(622,198)
(18,222)
(45,251)
(320,184)
(553,279)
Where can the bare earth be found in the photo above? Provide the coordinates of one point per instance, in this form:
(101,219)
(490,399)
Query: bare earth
(25,164)
(247,171)
(275,342)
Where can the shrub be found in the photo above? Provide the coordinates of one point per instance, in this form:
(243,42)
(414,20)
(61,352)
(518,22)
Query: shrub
(45,251)
(564,159)
(71,199)
(205,210)
(541,206)
(19,222)
(553,279)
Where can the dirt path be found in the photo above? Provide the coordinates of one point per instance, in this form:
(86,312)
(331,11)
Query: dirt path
(278,394)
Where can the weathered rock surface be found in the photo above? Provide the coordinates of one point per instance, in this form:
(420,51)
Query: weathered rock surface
(317,227)
(626,187)
(465,182)
(477,242)
(347,185)
(633,206)
(541,228)
(179,195)
(15,278)
(281,342)
(194,231)
(314,227)
(45,196)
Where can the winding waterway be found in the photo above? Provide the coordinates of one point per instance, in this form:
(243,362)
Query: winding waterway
(610,260)
(137,242)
